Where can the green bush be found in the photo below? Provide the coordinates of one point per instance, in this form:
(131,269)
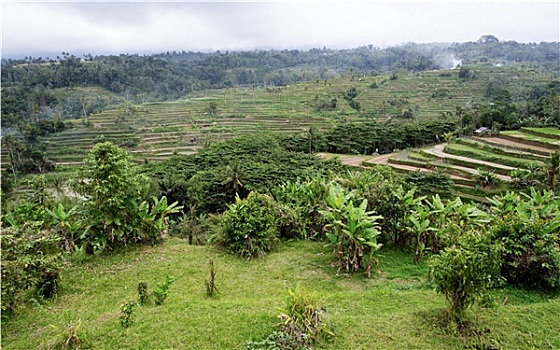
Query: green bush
(143,294)
(127,313)
(528,226)
(250,226)
(465,271)
(300,203)
(531,253)
(161,290)
(29,264)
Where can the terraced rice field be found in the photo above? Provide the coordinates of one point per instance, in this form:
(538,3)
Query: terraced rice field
(463,170)
(154,131)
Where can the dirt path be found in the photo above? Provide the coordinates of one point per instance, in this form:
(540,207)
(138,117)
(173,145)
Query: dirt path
(437,150)
(384,160)
(499,141)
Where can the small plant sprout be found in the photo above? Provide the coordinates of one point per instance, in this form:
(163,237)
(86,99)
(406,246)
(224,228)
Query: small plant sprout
(127,310)
(143,294)
(210,283)
(161,290)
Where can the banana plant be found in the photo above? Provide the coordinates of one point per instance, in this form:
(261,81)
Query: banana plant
(64,226)
(351,230)
(160,209)
(420,230)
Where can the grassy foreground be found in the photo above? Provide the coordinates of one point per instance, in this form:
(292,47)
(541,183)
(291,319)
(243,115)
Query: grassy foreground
(396,309)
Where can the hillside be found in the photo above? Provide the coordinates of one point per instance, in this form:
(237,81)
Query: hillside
(153,131)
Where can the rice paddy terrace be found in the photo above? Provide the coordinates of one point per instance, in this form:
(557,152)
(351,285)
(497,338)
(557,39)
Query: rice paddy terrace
(154,131)
(462,159)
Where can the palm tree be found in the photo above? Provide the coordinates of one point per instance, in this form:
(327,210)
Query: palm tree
(233,177)
(311,133)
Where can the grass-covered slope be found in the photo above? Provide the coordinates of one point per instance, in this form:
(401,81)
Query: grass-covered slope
(395,309)
(153,131)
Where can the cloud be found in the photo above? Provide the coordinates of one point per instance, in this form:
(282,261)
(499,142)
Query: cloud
(147,27)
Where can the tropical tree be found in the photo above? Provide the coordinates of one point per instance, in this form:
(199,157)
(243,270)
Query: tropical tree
(113,190)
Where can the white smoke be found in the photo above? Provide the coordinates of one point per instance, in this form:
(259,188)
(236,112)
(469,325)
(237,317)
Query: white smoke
(457,63)
(448,61)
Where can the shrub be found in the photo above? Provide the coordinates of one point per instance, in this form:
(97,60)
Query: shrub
(302,318)
(143,294)
(528,226)
(300,204)
(161,290)
(531,253)
(67,338)
(29,264)
(487,178)
(127,313)
(463,272)
(276,341)
(302,325)
(250,226)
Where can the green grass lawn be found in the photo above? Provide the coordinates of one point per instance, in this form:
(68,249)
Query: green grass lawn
(395,309)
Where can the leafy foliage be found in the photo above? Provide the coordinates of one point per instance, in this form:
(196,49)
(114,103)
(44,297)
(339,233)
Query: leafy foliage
(529,229)
(162,289)
(352,231)
(250,226)
(127,313)
(66,225)
(302,319)
(29,264)
(388,195)
(143,294)
(435,224)
(487,178)
(113,190)
(301,203)
(465,271)
(208,181)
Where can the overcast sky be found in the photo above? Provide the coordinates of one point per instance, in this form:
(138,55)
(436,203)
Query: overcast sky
(48,28)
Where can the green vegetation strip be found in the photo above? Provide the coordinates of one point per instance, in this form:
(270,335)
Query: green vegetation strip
(447,168)
(529,139)
(499,150)
(474,165)
(476,153)
(552,133)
